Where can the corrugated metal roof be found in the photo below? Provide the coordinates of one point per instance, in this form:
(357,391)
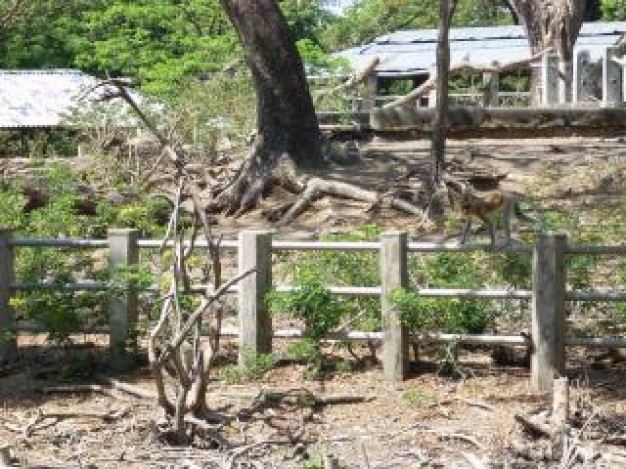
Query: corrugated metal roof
(40,98)
(414,52)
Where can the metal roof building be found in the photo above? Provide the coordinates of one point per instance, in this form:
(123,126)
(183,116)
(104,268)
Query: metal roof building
(41,98)
(411,53)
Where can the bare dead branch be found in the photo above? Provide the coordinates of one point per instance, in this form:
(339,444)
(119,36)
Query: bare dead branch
(200,310)
(127,388)
(355,79)
(463,66)
(315,187)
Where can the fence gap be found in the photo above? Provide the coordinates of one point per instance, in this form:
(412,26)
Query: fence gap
(548,310)
(8,333)
(255,336)
(123,251)
(394,275)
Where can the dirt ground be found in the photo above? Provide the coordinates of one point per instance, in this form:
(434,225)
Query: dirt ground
(426,421)
(565,173)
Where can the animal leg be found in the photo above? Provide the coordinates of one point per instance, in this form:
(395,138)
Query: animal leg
(465,229)
(492,231)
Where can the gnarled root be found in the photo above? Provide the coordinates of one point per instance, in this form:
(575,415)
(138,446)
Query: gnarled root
(263,170)
(316,188)
(258,174)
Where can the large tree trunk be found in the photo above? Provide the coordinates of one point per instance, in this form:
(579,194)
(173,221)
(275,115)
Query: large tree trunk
(288,134)
(285,112)
(553,23)
(440,130)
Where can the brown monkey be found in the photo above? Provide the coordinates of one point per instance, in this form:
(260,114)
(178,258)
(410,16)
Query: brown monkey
(483,205)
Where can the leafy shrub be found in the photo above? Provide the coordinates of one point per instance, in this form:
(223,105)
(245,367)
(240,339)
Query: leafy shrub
(340,268)
(450,315)
(252,367)
(453,315)
(314,305)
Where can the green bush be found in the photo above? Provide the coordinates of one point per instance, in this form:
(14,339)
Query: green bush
(453,315)
(340,268)
(315,306)
(253,367)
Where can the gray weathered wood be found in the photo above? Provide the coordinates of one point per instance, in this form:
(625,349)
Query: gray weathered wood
(123,251)
(8,338)
(560,403)
(611,78)
(565,81)
(369,95)
(483,120)
(394,275)
(491,82)
(550,80)
(548,310)
(255,252)
(583,84)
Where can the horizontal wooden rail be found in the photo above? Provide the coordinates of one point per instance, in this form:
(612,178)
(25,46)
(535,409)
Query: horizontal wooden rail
(474,339)
(73,287)
(548,294)
(350,291)
(377,336)
(607,249)
(200,243)
(302,245)
(602,295)
(59,243)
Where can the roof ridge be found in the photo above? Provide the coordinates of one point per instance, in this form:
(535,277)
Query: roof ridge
(47,71)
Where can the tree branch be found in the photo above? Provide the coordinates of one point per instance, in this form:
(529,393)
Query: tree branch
(462,66)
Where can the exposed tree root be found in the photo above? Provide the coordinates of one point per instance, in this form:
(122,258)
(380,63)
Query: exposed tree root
(259,173)
(262,171)
(316,188)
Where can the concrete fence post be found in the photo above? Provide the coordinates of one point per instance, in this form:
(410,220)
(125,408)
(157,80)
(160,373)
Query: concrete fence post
(548,310)
(255,323)
(371,90)
(611,78)
(8,337)
(565,70)
(123,251)
(550,79)
(582,80)
(491,84)
(394,275)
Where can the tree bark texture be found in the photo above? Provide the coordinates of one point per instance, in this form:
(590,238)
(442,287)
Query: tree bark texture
(552,23)
(286,119)
(440,130)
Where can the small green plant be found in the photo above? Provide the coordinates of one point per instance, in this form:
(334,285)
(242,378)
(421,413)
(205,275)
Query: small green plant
(314,462)
(418,397)
(56,312)
(314,305)
(341,268)
(452,315)
(7,335)
(136,277)
(253,367)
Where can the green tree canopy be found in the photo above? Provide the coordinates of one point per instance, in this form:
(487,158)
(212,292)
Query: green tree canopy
(367,19)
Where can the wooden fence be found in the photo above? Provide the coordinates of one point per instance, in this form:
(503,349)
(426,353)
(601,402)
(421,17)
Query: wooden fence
(548,294)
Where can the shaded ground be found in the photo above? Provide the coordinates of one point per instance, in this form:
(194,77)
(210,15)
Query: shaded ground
(564,173)
(426,421)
